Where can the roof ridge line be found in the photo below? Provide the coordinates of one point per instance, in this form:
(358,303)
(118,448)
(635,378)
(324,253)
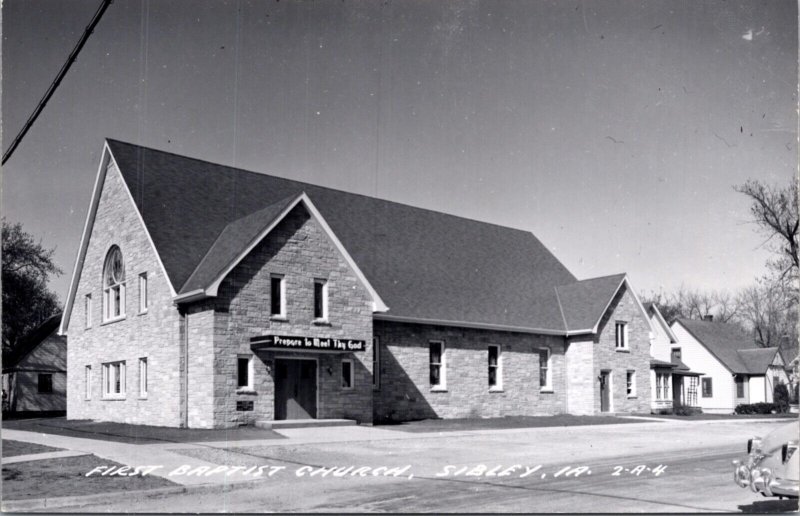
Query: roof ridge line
(530,232)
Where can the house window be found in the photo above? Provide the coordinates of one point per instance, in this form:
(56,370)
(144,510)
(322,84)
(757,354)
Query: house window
(142,292)
(630,384)
(45,383)
(347,374)
(87,382)
(707,390)
(621,335)
(675,355)
(437,365)
(277,296)
(320,300)
(662,386)
(114,379)
(87,308)
(143,377)
(113,286)
(244,372)
(376,363)
(545,370)
(739,386)
(495,368)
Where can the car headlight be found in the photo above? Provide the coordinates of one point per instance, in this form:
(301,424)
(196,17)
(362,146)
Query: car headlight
(788,450)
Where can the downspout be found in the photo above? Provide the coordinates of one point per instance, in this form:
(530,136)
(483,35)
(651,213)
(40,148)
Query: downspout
(183,368)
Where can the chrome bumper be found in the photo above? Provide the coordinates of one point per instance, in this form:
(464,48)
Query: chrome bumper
(761,480)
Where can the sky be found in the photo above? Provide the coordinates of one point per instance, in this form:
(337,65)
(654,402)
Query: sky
(614,130)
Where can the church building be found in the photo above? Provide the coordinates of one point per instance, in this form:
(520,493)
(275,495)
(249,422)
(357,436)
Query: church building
(206,296)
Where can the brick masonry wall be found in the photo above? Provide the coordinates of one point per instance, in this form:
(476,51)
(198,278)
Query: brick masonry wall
(153,335)
(606,357)
(581,376)
(405,391)
(299,249)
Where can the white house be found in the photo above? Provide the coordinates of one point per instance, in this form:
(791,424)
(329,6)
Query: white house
(736,370)
(672,382)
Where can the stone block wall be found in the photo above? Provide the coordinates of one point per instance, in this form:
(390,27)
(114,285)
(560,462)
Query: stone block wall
(405,392)
(153,334)
(298,249)
(636,358)
(582,383)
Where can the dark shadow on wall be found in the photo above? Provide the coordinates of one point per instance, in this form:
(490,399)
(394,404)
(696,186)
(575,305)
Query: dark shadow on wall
(399,399)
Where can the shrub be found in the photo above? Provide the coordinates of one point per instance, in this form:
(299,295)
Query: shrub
(780,394)
(756,408)
(685,410)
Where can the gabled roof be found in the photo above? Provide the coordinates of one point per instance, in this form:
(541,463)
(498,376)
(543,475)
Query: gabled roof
(32,340)
(734,348)
(756,361)
(423,266)
(584,302)
(236,236)
(653,310)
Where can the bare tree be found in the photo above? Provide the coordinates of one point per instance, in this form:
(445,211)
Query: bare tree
(774,210)
(686,303)
(768,309)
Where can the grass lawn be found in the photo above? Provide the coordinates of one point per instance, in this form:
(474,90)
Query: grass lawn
(699,417)
(454,425)
(67,477)
(137,434)
(14,448)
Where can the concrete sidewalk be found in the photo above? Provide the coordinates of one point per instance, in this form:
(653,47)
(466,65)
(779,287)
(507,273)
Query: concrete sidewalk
(128,454)
(42,456)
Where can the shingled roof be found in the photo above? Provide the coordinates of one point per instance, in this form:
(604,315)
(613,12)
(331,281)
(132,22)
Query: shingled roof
(423,264)
(737,350)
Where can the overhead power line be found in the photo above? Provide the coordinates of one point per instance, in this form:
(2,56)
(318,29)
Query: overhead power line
(64,69)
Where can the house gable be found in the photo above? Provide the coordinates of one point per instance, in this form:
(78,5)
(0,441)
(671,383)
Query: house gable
(107,163)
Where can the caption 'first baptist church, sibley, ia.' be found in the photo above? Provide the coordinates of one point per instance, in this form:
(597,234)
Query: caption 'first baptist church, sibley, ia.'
(206,296)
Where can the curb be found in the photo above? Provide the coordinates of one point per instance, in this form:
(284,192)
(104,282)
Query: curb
(79,501)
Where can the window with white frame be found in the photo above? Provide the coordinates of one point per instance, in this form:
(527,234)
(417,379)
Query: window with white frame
(495,368)
(277,296)
(143,377)
(87,309)
(114,379)
(437,364)
(347,373)
(87,382)
(320,300)
(662,386)
(376,363)
(621,335)
(113,286)
(244,372)
(630,384)
(143,293)
(545,370)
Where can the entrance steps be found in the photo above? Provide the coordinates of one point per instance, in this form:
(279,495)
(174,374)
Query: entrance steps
(304,423)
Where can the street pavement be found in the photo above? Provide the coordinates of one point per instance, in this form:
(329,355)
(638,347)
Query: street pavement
(683,466)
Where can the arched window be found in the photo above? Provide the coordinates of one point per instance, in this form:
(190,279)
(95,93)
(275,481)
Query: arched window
(113,285)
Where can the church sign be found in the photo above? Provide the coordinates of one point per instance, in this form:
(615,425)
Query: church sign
(272,342)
